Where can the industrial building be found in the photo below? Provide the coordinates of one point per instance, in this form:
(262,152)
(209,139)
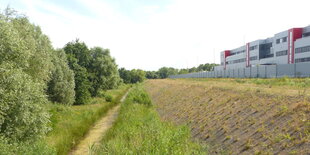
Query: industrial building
(287,47)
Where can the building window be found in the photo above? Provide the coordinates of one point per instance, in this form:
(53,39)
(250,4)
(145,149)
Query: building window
(253,48)
(278,41)
(284,39)
(281,53)
(253,58)
(302,60)
(302,49)
(306,34)
(236,61)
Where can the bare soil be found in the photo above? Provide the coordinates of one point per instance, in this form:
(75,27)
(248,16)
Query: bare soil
(237,118)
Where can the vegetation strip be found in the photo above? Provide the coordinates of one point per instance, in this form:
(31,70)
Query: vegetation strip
(139,130)
(96,133)
(70,124)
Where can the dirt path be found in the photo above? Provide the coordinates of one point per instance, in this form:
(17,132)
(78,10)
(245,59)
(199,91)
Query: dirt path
(96,133)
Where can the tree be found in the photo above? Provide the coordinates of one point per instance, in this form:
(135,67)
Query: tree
(137,75)
(151,75)
(25,69)
(103,70)
(22,116)
(78,57)
(25,46)
(125,75)
(165,72)
(61,86)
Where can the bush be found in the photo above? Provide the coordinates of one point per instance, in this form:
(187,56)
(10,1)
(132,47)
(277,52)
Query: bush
(108,98)
(22,116)
(138,95)
(25,46)
(61,87)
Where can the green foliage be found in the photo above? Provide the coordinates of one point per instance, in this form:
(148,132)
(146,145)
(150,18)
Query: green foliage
(164,72)
(78,57)
(94,69)
(125,75)
(25,148)
(22,116)
(103,71)
(137,75)
(70,123)
(80,52)
(138,95)
(61,86)
(132,76)
(139,130)
(24,46)
(151,75)
(108,98)
(25,67)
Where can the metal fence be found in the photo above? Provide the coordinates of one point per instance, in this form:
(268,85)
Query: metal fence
(262,71)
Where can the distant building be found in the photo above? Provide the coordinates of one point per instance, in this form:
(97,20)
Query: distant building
(287,47)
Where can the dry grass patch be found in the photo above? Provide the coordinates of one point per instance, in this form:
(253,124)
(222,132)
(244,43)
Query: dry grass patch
(237,117)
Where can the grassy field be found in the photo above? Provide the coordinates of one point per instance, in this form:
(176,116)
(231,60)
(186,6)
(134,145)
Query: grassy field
(70,123)
(139,130)
(239,116)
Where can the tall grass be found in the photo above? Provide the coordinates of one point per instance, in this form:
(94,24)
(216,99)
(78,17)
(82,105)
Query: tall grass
(139,130)
(70,123)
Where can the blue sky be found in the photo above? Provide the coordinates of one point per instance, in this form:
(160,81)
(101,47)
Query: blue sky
(149,34)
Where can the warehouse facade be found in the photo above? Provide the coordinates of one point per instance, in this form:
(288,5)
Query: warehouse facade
(287,47)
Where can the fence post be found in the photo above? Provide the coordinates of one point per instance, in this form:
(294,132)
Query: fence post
(294,70)
(265,71)
(276,71)
(257,72)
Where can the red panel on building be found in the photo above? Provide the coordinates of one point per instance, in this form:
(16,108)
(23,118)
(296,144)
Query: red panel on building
(293,35)
(226,54)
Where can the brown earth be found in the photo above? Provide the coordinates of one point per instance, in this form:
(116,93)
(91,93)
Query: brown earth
(236,118)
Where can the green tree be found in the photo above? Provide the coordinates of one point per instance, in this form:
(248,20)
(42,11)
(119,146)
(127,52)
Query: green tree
(125,75)
(137,75)
(151,75)
(25,46)
(22,116)
(103,70)
(61,86)
(25,69)
(165,72)
(78,57)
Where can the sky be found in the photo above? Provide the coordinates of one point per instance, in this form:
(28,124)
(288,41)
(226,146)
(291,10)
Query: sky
(149,34)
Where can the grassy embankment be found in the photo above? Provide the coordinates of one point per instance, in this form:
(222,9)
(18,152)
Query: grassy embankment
(239,116)
(139,130)
(70,123)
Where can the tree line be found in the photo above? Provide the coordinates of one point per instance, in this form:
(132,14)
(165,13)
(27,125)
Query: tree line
(33,74)
(137,75)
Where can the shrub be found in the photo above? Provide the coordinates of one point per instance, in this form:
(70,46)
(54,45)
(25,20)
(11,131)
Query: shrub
(22,116)
(108,98)
(25,46)
(138,95)
(61,86)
